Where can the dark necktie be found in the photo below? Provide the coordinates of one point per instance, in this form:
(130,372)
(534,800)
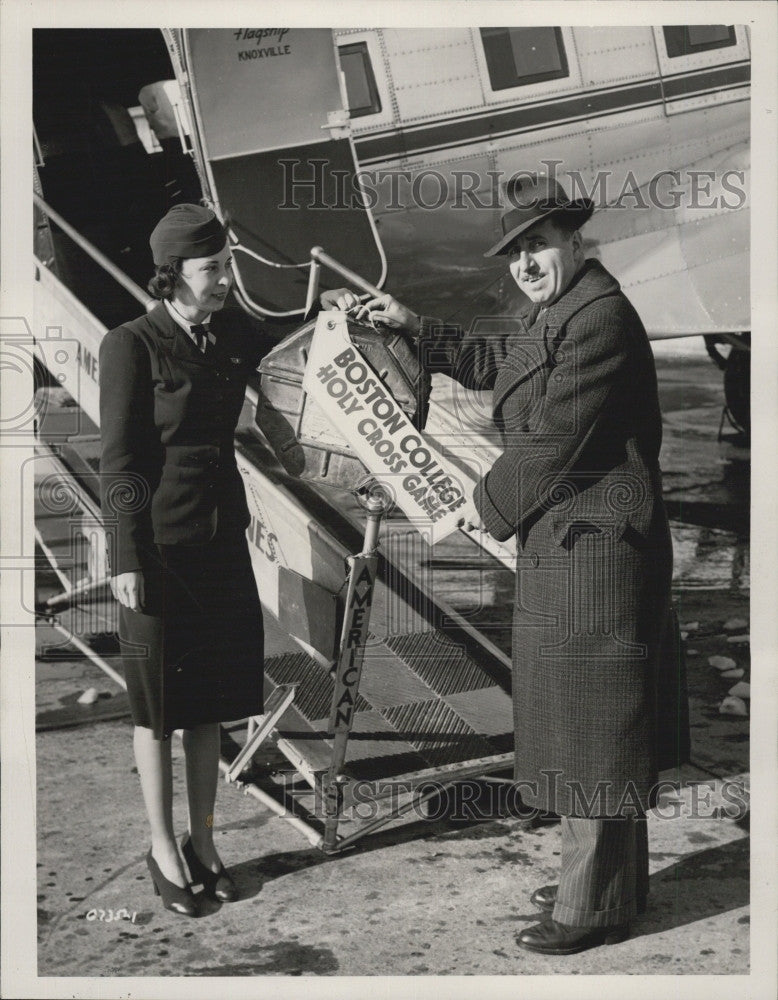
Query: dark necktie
(201,333)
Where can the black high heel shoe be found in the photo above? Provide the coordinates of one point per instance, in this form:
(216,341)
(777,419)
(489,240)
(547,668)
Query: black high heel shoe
(174,897)
(219,884)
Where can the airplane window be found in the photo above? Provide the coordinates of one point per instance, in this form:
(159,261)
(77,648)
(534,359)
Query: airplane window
(688,39)
(516,57)
(361,89)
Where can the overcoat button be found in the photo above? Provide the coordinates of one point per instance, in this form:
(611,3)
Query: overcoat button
(535,560)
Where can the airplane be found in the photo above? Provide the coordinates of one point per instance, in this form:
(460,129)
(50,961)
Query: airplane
(391,148)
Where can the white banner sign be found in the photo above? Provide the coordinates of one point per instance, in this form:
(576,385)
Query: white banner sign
(430,491)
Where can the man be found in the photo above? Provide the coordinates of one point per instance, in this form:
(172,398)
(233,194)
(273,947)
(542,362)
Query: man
(599,700)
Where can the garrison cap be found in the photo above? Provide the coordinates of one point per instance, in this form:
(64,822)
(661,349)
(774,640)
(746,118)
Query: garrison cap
(187,231)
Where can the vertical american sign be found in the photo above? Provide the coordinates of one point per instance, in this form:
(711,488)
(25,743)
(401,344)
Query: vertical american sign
(356,621)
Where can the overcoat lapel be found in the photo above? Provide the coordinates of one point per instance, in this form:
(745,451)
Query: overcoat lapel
(523,360)
(532,352)
(525,356)
(591,283)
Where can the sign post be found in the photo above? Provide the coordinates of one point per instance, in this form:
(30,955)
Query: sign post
(356,623)
(408,469)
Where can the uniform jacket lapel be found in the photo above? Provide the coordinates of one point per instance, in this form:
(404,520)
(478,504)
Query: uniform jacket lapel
(173,339)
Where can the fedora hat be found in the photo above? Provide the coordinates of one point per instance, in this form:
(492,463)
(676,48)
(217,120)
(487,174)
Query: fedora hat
(533,197)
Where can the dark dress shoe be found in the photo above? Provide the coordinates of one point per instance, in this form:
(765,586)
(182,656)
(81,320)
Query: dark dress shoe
(551,938)
(219,884)
(545,897)
(175,898)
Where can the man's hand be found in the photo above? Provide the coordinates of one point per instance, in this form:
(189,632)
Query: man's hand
(387,310)
(128,590)
(382,309)
(471,521)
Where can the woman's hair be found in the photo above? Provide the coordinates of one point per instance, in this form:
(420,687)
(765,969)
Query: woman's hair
(165,279)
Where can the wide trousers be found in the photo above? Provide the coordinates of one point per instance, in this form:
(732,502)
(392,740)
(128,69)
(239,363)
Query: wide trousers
(604,876)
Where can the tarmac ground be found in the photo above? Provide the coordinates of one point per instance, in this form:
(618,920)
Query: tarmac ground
(439,896)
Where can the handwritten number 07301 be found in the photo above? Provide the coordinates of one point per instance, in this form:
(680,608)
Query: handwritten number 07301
(109,915)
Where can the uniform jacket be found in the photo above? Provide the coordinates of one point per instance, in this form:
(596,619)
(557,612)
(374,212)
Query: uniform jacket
(167,419)
(599,691)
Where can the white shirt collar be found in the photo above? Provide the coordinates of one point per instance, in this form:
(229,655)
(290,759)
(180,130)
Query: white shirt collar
(185,325)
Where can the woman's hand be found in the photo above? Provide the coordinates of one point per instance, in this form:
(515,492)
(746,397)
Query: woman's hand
(341,298)
(127,588)
(382,309)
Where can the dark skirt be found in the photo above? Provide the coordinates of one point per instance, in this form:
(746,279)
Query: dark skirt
(194,654)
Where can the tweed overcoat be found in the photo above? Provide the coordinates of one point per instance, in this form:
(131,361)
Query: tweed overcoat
(174,502)
(598,682)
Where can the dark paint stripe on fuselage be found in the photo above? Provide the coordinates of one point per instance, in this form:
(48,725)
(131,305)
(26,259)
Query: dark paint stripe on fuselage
(451,132)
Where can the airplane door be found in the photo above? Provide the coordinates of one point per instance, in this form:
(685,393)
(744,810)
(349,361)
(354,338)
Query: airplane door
(263,101)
